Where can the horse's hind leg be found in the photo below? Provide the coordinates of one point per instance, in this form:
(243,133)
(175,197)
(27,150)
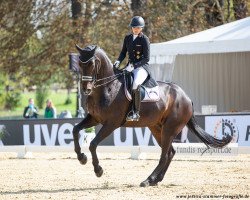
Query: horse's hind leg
(156,131)
(171,154)
(168,132)
(105,131)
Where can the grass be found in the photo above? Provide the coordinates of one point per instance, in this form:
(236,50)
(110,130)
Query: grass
(58,98)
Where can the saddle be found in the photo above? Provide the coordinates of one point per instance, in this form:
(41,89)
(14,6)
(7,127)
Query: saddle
(149,88)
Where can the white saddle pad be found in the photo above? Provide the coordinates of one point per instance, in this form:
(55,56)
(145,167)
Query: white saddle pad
(151,94)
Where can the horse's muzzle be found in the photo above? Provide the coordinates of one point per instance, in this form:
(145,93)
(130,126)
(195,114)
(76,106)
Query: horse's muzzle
(88,89)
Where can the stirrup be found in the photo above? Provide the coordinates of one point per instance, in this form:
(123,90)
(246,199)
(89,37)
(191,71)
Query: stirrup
(133,116)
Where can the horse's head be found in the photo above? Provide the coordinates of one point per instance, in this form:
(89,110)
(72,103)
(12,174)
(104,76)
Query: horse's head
(89,67)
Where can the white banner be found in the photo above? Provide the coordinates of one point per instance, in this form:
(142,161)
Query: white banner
(236,125)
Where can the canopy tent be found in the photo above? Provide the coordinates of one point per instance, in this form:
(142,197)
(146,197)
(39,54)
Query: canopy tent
(212,66)
(231,37)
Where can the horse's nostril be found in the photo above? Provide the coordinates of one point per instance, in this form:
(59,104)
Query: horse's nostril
(88,91)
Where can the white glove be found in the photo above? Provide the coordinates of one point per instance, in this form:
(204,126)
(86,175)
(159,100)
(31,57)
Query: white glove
(130,67)
(116,64)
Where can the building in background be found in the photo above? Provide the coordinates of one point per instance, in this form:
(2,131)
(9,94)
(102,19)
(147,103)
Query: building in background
(212,66)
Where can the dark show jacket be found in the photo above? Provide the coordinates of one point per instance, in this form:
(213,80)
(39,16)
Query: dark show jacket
(138,50)
(34,113)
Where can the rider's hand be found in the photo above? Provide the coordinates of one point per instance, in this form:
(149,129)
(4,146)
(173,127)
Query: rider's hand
(116,64)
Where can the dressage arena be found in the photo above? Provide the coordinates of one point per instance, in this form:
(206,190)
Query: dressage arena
(60,176)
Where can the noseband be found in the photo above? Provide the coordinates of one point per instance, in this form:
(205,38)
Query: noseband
(90,78)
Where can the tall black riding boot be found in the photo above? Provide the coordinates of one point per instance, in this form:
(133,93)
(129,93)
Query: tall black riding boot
(133,115)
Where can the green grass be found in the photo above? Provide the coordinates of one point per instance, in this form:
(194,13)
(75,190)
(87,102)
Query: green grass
(58,98)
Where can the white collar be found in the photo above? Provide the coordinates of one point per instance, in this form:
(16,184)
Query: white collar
(134,36)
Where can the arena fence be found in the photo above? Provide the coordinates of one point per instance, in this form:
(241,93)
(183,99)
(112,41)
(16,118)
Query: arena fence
(136,152)
(25,137)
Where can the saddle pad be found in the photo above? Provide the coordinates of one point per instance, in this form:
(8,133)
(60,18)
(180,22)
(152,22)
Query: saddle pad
(151,94)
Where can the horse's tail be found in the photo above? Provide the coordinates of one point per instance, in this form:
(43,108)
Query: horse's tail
(205,137)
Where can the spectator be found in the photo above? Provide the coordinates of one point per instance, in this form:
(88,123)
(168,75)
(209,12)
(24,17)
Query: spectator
(50,110)
(65,114)
(30,111)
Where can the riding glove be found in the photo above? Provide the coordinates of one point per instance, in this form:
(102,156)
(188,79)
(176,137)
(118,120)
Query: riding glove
(116,64)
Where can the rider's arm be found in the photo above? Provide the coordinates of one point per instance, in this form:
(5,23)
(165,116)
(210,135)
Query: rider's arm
(25,114)
(146,52)
(124,50)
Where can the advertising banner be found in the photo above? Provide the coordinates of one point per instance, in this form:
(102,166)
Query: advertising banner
(237,126)
(58,132)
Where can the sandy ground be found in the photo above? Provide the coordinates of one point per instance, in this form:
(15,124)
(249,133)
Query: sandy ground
(60,176)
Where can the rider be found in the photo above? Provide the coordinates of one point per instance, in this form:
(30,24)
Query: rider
(138,47)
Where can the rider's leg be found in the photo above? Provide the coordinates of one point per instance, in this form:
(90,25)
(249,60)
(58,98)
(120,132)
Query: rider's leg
(140,75)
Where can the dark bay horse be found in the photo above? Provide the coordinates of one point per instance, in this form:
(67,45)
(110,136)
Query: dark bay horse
(108,105)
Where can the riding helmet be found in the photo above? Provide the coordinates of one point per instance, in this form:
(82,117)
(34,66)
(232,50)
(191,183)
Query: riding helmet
(137,21)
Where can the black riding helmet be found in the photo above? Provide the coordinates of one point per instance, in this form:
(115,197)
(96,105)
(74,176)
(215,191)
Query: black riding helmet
(137,21)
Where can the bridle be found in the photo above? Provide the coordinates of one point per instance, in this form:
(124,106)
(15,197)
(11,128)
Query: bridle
(95,81)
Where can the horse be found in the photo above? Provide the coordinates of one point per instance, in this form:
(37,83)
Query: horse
(107,105)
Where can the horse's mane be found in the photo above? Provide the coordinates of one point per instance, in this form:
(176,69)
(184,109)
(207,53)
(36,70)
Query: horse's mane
(101,51)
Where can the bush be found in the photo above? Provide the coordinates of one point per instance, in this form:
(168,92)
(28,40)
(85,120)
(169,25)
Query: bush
(2,91)
(68,101)
(12,99)
(2,98)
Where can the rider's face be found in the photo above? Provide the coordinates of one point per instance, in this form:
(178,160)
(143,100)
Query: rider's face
(136,30)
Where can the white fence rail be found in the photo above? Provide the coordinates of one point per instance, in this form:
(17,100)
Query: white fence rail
(137,152)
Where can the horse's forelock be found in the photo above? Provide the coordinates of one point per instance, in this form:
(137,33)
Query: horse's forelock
(86,53)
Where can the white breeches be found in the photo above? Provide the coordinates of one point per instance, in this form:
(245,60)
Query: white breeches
(140,75)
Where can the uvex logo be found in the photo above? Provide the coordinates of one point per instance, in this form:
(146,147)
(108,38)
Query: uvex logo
(41,134)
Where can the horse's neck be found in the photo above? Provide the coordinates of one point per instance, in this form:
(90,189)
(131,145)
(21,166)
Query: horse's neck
(106,68)
(105,72)
(109,80)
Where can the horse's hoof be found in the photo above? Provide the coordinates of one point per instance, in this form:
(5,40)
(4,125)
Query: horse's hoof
(146,183)
(99,173)
(82,158)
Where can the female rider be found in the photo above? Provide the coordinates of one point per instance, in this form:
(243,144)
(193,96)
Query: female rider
(137,46)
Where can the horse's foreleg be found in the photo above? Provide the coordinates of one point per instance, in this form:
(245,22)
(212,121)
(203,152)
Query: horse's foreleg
(105,131)
(87,122)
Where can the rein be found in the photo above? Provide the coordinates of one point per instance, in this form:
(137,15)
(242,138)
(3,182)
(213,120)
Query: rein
(114,77)
(95,80)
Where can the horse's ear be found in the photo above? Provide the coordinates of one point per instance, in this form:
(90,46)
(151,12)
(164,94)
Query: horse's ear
(78,48)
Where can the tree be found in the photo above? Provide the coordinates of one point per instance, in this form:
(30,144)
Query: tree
(214,13)
(36,36)
(140,7)
(240,9)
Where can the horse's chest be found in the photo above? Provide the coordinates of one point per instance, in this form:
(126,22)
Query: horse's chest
(98,107)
